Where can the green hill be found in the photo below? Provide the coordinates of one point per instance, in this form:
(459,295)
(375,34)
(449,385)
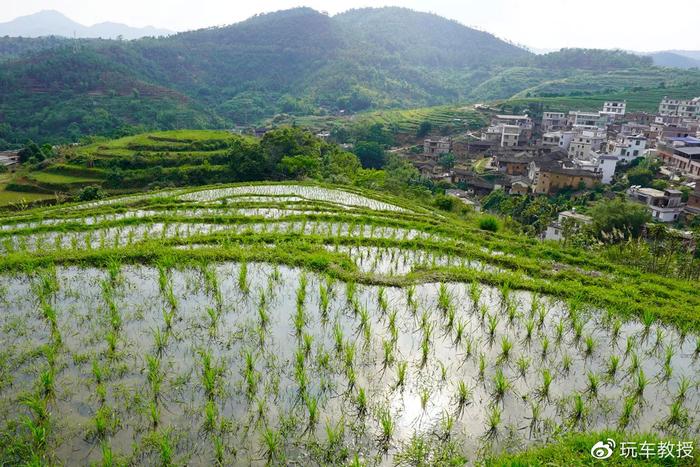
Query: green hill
(297,62)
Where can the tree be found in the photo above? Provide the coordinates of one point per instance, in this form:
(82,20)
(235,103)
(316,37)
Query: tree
(90,193)
(424,128)
(640,176)
(446,203)
(371,154)
(617,219)
(447,160)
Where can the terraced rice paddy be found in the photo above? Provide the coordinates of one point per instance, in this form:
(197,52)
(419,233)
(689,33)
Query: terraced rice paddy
(298,324)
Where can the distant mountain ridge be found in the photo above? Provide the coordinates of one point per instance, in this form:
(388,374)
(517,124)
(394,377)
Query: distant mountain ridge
(54,23)
(296,62)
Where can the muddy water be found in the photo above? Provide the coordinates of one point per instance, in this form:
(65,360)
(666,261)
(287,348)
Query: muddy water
(274,400)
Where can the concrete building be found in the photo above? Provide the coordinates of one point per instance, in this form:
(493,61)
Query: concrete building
(607,165)
(554,121)
(570,221)
(558,139)
(614,109)
(628,148)
(586,141)
(692,209)
(684,108)
(665,206)
(682,154)
(8,158)
(434,148)
(588,120)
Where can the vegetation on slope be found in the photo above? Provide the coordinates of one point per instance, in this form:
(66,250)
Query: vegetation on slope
(295,62)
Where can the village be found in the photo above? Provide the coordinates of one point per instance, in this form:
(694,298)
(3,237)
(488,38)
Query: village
(576,151)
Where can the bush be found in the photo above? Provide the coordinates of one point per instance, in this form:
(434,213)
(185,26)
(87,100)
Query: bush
(90,193)
(446,203)
(489,223)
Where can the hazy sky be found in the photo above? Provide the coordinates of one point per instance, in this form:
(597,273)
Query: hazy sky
(628,24)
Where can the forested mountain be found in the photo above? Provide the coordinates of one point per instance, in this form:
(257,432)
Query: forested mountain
(296,61)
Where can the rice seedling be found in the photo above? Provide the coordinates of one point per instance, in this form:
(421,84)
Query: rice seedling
(388,358)
(211,415)
(464,395)
(401,375)
(483,311)
(579,412)
(535,419)
(312,408)
(545,347)
(425,351)
(307,342)
(444,298)
(424,395)
(627,414)
(382,300)
(411,299)
(492,326)
(522,364)
(590,345)
(350,291)
(459,332)
(578,331)
(682,391)
(243,278)
(541,317)
(678,415)
(668,369)
(272,446)
(615,331)
(361,402)
(506,350)
(500,386)
(544,390)
(648,320)
(324,300)
(613,366)
(641,383)
(630,344)
(493,423)
(387,427)
(468,348)
(154,375)
(634,364)
(659,341)
(559,332)
(474,293)
(482,367)
(593,385)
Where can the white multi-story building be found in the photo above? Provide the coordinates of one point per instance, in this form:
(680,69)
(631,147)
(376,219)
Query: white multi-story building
(588,120)
(586,141)
(614,108)
(665,206)
(553,121)
(628,147)
(558,139)
(689,108)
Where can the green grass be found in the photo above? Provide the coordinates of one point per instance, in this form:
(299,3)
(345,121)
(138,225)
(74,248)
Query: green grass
(56,178)
(646,100)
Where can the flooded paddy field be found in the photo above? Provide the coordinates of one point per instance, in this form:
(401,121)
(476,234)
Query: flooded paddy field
(301,325)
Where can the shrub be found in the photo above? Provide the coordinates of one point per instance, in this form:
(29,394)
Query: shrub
(90,193)
(489,223)
(446,203)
